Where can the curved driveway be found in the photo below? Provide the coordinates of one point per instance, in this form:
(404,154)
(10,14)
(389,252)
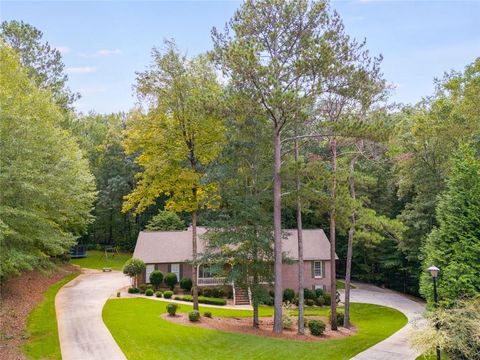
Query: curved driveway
(82,333)
(397,346)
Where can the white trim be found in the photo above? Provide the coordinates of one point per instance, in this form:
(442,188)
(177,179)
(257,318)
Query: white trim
(177,271)
(148,270)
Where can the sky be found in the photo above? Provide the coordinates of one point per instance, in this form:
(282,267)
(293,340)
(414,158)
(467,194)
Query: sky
(104,43)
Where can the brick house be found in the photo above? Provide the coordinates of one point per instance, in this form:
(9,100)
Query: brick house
(171,251)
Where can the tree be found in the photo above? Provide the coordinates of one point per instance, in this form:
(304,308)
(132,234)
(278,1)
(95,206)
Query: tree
(275,47)
(164,221)
(42,63)
(454,246)
(47,188)
(134,267)
(156,278)
(181,134)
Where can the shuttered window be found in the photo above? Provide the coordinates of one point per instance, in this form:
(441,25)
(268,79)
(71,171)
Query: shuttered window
(317,269)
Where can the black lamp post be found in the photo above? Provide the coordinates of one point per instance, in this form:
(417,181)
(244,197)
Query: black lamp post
(433,270)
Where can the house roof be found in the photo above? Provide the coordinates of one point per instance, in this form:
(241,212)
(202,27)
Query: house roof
(176,246)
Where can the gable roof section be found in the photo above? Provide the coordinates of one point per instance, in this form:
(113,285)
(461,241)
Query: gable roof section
(176,246)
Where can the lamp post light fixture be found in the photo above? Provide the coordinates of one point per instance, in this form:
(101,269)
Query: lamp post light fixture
(433,270)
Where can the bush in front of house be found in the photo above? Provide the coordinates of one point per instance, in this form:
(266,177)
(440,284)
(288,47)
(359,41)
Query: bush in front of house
(133,290)
(170,280)
(168,294)
(320,301)
(328,299)
(194,315)
(158,294)
(186,284)
(172,309)
(309,302)
(207,314)
(142,288)
(202,300)
(319,293)
(156,278)
(149,292)
(316,327)
(340,317)
(309,294)
(288,295)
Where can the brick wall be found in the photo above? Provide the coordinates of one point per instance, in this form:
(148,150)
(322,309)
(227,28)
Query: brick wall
(290,276)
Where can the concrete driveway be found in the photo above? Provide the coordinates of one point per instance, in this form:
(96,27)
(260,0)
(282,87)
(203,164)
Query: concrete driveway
(397,346)
(79,304)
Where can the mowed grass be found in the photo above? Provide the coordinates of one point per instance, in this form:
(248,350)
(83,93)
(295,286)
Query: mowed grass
(141,333)
(42,325)
(341,285)
(96,260)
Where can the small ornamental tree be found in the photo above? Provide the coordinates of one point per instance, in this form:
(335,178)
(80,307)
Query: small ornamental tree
(132,268)
(171,280)
(186,284)
(156,278)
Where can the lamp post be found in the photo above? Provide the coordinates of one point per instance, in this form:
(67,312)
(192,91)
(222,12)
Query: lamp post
(433,270)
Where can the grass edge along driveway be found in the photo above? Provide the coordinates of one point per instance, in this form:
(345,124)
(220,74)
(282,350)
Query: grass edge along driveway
(42,325)
(141,334)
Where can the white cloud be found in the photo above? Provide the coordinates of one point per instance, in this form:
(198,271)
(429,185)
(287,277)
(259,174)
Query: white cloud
(80,70)
(101,53)
(63,49)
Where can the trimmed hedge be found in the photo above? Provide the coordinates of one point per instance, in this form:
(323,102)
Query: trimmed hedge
(168,294)
(317,327)
(158,294)
(172,309)
(149,292)
(194,315)
(202,300)
(133,290)
(186,284)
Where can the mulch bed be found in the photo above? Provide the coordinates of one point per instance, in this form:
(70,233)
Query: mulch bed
(244,326)
(18,296)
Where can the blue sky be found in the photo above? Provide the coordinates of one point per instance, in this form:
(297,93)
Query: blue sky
(104,43)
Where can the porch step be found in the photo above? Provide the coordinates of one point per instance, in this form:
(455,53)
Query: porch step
(241,296)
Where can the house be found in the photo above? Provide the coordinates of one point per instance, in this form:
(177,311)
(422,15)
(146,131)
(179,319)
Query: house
(171,251)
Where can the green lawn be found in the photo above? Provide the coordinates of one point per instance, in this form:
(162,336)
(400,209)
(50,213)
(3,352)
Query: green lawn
(42,325)
(96,260)
(141,333)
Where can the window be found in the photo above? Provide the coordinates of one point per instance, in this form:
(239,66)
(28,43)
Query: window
(204,272)
(148,271)
(317,269)
(175,268)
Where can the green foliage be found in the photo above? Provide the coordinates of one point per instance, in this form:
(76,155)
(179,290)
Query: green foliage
(454,246)
(133,290)
(309,302)
(97,260)
(171,280)
(288,295)
(168,294)
(149,292)
(207,314)
(47,188)
(316,327)
(156,278)
(327,299)
(164,221)
(134,267)
(186,284)
(309,294)
(172,308)
(194,315)
(320,301)
(340,317)
(202,300)
(158,294)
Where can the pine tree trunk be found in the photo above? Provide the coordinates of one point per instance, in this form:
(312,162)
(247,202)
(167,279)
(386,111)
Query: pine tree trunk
(277,233)
(348,271)
(301,305)
(194,265)
(333,284)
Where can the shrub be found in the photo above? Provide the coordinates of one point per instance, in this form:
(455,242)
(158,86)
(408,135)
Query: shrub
(170,280)
(158,294)
(309,302)
(202,300)
(133,290)
(207,314)
(149,292)
(133,267)
(142,288)
(319,293)
(168,294)
(317,327)
(194,315)
(217,292)
(287,320)
(172,309)
(118,293)
(186,284)
(340,317)
(295,301)
(320,301)
(149,286)
(288,295)
(309,294)
(208,292)
(156,278)
(327,298)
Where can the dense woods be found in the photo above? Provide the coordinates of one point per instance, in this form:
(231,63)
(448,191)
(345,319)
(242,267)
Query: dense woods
(298,133)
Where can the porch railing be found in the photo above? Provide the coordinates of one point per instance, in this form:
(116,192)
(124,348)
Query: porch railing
(212,281)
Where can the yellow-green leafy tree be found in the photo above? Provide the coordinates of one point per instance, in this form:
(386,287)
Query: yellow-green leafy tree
(177,138)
